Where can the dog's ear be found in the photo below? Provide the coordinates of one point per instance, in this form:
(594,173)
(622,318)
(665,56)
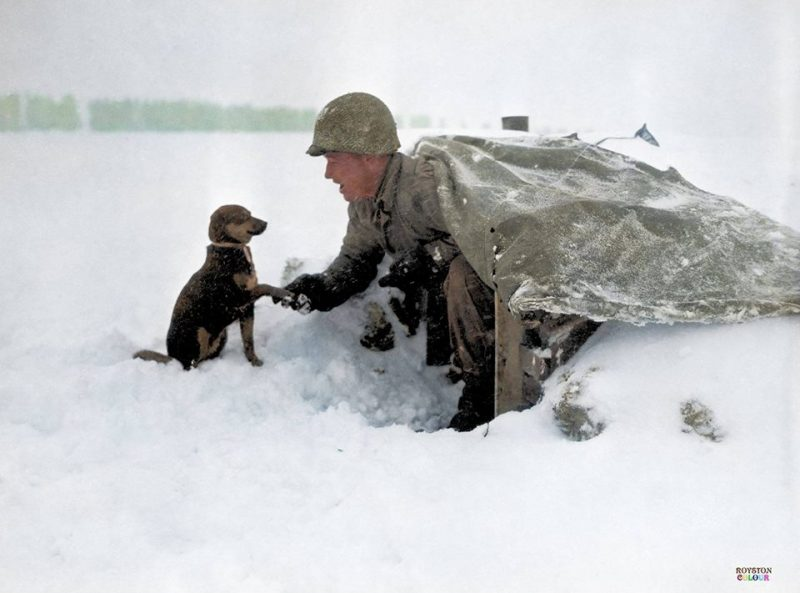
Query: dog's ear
(216,226)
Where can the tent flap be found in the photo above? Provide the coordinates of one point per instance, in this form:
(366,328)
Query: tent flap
(560,225)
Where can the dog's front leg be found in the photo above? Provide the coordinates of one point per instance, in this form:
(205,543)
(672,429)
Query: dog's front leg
(246,327)
(277,292)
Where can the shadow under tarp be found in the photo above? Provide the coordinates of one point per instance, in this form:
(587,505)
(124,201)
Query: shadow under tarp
(560,225)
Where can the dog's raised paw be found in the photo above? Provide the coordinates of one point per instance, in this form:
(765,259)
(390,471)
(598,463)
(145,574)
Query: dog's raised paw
(299,303)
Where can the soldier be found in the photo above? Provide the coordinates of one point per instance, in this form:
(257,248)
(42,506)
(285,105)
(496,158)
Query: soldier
(393,208)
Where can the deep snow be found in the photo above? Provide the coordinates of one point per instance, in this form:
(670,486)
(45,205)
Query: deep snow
(323,470)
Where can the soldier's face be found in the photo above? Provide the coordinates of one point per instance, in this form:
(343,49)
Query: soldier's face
(357,175)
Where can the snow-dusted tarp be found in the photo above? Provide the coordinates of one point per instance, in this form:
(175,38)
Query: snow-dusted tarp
(560,225)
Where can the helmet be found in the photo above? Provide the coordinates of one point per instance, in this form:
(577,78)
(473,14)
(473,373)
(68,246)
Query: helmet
(356,122)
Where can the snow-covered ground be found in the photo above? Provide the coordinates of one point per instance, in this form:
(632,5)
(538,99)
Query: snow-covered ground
(324,469)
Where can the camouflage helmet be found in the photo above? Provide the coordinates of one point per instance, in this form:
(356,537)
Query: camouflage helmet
(356,122)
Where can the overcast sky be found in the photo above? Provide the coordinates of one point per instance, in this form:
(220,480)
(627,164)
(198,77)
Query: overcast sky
(723,65)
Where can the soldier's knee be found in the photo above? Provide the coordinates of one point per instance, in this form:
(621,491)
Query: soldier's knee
(457,275)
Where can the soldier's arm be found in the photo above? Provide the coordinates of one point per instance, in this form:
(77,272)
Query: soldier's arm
(350,272)
(442,249)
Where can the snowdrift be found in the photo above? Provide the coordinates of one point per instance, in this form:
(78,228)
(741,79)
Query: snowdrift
(568,227)
(324,470)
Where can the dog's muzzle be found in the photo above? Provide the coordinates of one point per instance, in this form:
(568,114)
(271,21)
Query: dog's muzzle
(259,226)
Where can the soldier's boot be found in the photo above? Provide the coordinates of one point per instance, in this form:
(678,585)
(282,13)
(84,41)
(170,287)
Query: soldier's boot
(476,405)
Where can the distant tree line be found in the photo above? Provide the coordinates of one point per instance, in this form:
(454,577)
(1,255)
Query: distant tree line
(179,116)
(36,112)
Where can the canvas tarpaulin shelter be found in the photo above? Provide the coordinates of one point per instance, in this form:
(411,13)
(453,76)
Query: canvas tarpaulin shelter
(560,225)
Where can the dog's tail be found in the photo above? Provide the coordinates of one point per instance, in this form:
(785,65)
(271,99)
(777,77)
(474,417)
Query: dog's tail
(154,356)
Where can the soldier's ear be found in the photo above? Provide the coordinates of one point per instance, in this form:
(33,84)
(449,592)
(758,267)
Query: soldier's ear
(376,162)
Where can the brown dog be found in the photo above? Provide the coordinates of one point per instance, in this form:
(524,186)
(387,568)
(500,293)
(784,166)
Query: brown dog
(224,290)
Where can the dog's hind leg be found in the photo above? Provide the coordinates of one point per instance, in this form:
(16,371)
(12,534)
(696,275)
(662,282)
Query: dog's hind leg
(210,345)
(217,344)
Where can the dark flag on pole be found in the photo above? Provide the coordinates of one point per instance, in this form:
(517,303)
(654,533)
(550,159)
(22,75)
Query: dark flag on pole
(642,133)
(645,135)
